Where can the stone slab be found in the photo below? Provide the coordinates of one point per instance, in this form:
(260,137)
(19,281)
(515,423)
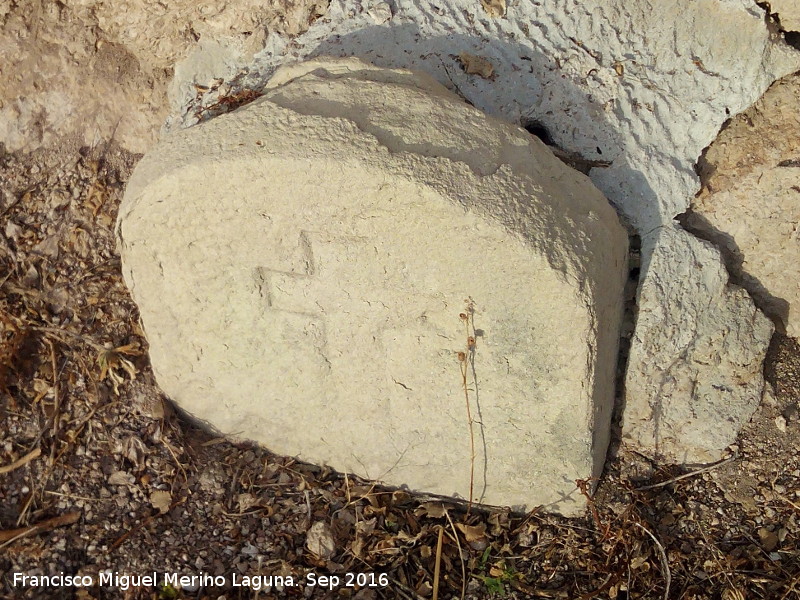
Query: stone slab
(301,265)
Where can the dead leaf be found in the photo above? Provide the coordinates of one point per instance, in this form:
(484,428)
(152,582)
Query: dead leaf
(424,589)
(431,509)
(399,496)
(494,8)
(161,500)
(48,247)
(472,533)
(357,547)
(120,478)
(135,451)
(31,278)
(319,541)
(246,502)
(733,594)
(111,359)
(476,65)
(366,527)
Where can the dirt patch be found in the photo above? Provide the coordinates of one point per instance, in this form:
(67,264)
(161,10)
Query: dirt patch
(87,69)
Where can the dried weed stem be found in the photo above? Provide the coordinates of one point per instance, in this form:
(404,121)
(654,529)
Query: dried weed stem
(464,358)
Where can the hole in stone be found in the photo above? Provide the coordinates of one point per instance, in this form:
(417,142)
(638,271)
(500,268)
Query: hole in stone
(534,127)
(793,39)
(598,150)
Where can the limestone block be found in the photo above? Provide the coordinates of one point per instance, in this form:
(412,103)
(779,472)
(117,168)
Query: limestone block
(690,388)
(750,205)
(301,265)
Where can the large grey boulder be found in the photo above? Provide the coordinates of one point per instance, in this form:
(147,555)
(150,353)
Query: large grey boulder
(303,267)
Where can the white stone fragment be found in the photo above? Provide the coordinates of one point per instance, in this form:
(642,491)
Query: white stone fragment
(320,542)
(691,387)
(301,265)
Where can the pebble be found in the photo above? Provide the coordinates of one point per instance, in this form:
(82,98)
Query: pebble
(780,423)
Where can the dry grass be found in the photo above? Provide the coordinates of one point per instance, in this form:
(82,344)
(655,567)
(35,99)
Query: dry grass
(97,472)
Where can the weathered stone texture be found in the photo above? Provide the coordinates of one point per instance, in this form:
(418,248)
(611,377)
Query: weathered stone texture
(301,264)
(692,387)
(162,33)
(788,12)
(750,204)
(639,87)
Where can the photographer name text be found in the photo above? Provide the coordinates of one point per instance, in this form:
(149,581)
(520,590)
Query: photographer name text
(255,582)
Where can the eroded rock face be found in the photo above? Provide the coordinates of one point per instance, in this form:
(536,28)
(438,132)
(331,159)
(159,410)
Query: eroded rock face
(94,69)
(301,266)
(688,410)
(788,12)
(750,205)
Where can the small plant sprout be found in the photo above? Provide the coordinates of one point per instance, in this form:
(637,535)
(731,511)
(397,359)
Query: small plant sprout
(465,358)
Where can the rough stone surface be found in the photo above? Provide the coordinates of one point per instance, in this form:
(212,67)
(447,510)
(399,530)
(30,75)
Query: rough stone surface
(162,33)
(788,12)
(697,403)
(642,87)
(94,69)
(63,78)
(301,265)
(750,204)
